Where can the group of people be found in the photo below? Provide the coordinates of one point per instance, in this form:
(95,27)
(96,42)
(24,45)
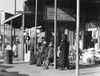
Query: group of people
(44,54)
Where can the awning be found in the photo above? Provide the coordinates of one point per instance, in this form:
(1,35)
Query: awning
(11,18)
(29,20)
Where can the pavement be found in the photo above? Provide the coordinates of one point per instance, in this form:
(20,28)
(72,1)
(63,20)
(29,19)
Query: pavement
(21,68)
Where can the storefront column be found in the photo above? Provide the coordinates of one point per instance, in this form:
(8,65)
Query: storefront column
(55,34)
(11,44)
(23,23)
(14,28)
(15,7)
(98,29)
(99,37)
(0,22)
(77,37)
(3,38)
(36,1)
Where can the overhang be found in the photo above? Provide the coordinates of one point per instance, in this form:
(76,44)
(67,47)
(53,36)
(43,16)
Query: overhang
(11,18)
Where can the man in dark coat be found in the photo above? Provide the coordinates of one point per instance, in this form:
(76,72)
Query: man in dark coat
(64,52)
(31,51)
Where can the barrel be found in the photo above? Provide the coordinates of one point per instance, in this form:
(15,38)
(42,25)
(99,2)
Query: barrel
(8,57)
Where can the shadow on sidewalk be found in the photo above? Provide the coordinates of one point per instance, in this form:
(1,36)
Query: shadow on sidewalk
(82,66)
(5,66)
(12,74)
(89,73)
(89,66)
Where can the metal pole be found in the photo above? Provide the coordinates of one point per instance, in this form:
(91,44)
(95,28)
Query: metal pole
(77,38)
(55,33)
(98,28)
(14,28)
(11,44)
(23,21)
(36,3)
(0,22)
(15,6)
(4,40)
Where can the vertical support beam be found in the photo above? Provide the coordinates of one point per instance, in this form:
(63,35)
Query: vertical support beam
(98,28)
(23,23)
(77,37)
(15,7)
(4,39)
(14,28)
(98,37)
(36,1)
(0,22)
(0,30)
(11,42)
(55,33)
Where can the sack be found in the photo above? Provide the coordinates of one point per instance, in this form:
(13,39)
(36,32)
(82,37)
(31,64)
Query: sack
(39,63)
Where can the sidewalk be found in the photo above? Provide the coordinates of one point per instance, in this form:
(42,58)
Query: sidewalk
(20,68)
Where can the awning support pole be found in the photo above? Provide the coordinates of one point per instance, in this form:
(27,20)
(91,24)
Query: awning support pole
(35,25)
(98,28)
(4,39)
(15,7)
(14,28)
(23,24)
(11,36)
(0,22)
(77,37)
(55,33)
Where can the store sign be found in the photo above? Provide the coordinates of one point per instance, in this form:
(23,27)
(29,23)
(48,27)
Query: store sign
(62,14)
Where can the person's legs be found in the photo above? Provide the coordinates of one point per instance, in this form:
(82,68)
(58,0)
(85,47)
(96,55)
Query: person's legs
(46,63)
(67,63)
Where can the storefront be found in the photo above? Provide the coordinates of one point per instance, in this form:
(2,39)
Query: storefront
(65,23)
(61,19)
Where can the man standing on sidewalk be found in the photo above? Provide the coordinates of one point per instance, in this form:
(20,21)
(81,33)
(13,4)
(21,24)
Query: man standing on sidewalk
(31,50)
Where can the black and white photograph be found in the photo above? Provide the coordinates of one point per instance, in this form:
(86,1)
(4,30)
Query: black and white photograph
(49,37)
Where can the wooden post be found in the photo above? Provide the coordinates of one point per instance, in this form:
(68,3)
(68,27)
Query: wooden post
(15,6)
(4,39)
(77,37)
(14,28)
(0,22)
(11,42)
(23,21)
(35,25)
(55,33)
(98,28)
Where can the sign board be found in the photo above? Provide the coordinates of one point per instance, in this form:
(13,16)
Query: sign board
(63,14)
